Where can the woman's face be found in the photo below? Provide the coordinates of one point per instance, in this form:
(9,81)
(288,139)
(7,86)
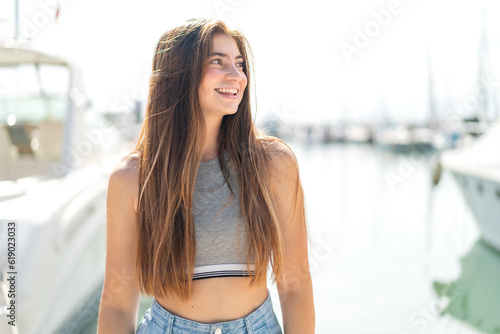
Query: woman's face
(224,81)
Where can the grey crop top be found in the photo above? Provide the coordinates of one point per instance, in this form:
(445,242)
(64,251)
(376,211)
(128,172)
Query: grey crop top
(221,242)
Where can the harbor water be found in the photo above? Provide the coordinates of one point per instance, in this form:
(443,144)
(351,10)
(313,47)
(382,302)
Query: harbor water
(389,252)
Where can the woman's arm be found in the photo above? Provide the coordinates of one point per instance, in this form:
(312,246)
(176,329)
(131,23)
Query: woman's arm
(120,296)
(296,300)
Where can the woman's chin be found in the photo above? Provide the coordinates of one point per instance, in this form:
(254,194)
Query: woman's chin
(229,111)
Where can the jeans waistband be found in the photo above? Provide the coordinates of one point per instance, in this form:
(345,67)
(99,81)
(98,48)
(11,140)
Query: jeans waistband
(252,321)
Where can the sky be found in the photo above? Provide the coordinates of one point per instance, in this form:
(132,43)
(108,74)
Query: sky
(316,61)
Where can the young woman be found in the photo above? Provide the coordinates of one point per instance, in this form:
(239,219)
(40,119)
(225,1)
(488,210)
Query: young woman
(205,203)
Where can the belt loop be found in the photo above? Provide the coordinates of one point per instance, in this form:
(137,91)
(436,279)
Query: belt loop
(170,326)
(247,323)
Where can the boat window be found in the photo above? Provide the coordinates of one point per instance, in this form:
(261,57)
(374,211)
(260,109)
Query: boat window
(33,93)
(34,104)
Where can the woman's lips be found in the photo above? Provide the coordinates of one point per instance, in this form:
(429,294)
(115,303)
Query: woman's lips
(228,95)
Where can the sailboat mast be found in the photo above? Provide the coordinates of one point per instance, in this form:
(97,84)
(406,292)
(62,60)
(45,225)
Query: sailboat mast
(433,119)
(16,19)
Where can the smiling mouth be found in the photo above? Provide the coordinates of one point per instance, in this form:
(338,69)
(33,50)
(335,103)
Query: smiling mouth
(227,91)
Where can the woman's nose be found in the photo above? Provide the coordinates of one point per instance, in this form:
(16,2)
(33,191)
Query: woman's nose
(235,73)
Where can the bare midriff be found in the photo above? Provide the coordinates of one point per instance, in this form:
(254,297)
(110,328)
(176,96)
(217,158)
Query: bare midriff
(214,300)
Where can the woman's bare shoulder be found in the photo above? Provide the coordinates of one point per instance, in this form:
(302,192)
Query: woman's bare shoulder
(124,179)
(281,154)
(284,168)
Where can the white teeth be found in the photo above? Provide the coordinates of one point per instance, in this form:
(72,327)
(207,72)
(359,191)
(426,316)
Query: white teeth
(227,90)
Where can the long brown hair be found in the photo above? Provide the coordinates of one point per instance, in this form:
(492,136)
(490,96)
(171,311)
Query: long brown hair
(170,145)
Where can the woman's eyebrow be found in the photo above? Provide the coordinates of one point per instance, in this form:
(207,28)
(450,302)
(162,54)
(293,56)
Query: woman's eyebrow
(224,55)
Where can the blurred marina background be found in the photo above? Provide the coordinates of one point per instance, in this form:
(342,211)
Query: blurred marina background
(391,107)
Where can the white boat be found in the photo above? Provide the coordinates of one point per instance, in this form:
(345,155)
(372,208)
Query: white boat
(476,168)
(55,158)
(358,133)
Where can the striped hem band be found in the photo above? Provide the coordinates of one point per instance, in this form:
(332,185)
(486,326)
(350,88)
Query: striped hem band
(223,270)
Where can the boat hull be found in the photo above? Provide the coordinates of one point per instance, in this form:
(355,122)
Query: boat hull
(483,198)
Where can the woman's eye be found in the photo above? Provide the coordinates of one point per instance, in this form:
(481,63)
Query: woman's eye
(218,61)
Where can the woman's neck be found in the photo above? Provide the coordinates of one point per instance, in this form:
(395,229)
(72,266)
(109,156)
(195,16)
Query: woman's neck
(211,146)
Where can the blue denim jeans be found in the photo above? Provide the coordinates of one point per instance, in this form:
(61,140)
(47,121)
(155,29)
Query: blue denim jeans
(261,321)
